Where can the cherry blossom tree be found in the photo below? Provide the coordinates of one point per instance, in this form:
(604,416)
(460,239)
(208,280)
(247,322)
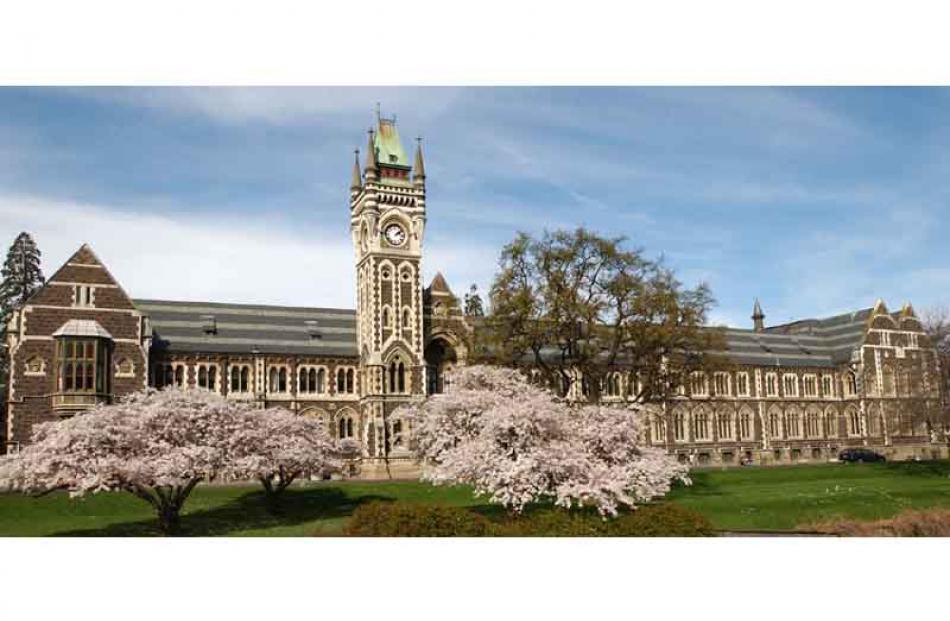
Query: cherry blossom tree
(276,447)
(518,443)
(158,445)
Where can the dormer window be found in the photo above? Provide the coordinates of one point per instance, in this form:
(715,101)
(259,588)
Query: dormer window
(209,325)
(313,328)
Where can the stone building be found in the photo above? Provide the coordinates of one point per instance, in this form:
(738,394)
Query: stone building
(805,390)
(795,392)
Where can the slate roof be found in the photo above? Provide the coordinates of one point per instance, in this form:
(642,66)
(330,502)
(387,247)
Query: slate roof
(181,327)
(825,342)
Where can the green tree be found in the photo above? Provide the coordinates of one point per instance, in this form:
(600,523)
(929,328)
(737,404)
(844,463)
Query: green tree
(473,303)
(576,307)
(21,276)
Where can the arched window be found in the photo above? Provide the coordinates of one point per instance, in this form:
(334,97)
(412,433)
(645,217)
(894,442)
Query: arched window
(278,379)
(887,375)
(874,421)
(345,427)
(341,381)
(851,385)
(831,423)
(745,424)
(854,422)
(701,424)
(813,424)
(679,427)
(793,423)
(349,381)
(724,426)
(321,384)
(386,318)
(207,376)
(406,319)
(659,430)
(775,423)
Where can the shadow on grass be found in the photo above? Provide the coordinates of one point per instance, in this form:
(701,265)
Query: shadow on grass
(247,512)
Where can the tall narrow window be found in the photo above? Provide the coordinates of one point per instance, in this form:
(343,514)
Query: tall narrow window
(679,427)
(742,384)
(745,425)
(240,375)
(701,425)
(827,387)
(207,376)
(771,385)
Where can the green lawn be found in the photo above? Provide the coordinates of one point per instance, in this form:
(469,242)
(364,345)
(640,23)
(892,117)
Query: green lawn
(785,497)
(749,498)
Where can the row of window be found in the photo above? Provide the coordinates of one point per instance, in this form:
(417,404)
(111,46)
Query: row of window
(699,426)
(310,379)
(792,385)
(722,385)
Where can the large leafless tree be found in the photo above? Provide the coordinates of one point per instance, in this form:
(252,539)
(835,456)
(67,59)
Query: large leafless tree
(577,307)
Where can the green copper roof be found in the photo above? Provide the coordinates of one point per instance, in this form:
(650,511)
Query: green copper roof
(389,149)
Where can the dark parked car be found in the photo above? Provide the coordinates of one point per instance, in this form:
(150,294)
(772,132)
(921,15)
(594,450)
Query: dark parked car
(860,455)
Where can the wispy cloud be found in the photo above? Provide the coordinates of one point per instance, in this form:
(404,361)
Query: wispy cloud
(277,105)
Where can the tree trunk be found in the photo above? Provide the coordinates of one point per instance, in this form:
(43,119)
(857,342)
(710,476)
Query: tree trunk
(169,520)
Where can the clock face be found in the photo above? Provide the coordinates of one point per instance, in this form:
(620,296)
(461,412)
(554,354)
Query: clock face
(395,235)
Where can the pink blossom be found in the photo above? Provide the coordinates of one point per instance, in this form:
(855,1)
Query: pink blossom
(517,443)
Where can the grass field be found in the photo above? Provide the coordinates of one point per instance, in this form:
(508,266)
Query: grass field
(750,498)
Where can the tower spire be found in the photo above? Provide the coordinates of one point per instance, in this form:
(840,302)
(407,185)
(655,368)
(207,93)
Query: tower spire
(419,169)
(356,184)
(758,317)
(371,156)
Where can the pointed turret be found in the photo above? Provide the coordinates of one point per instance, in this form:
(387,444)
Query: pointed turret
(907,311)
(758,317)
(371,166)
(356,184)
(419,169)
(438,284)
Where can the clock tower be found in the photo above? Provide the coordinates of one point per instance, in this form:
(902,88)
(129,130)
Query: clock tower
(387,223)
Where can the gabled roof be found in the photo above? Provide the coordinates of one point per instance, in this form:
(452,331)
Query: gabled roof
(180,327)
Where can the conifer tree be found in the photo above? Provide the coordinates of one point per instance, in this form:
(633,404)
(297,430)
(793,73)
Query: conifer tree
(21,276)
(473,303)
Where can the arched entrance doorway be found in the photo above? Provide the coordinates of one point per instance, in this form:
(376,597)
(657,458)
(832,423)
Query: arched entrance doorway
(441,358)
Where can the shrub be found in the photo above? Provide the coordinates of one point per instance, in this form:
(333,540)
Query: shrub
(930,523)
(392,519)
(662,520)
(382,519)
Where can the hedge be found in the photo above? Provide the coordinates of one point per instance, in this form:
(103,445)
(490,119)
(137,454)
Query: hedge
(394,519)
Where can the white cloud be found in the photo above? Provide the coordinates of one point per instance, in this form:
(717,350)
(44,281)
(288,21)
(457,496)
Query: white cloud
(214,259)
(191,259)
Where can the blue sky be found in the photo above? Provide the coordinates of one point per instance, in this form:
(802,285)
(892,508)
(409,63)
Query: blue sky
(815,200)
